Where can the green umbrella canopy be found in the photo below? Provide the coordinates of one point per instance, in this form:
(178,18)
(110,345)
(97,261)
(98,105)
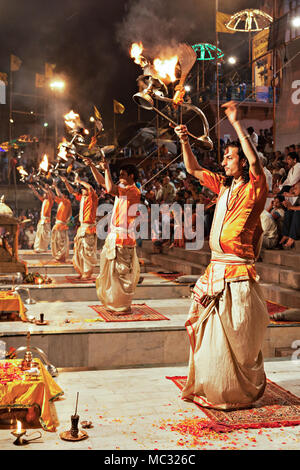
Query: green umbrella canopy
(207,51)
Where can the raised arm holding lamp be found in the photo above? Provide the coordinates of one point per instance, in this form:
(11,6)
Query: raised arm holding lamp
(85,241)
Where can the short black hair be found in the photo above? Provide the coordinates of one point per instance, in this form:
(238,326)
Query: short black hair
(130,170)
(280,197)
(293,155)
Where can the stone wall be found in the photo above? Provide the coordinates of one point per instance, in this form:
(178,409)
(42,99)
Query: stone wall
(20,197)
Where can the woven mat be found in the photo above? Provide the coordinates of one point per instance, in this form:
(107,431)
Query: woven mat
(141,312)
(75,280)
(168,276)
(277,407)
(273,308)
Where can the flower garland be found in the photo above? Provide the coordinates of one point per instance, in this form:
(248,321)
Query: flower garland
(10,372)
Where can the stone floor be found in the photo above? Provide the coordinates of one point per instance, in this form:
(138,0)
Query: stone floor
(132,409)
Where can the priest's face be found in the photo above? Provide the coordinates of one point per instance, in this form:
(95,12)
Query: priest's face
(125,178)
(232,163)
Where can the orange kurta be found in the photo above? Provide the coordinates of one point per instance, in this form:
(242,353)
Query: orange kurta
(241,229)
(88,209)
(64,212)
(122,216)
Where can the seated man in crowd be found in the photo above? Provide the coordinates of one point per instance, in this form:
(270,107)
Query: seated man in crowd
(270,230)
(30,235)
(291,222)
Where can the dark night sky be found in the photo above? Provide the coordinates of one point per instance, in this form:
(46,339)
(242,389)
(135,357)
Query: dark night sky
(89,40)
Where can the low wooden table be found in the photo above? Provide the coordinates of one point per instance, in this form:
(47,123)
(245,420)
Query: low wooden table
(19,389)
(11,306)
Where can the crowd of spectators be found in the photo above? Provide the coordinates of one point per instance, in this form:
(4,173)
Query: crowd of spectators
(163,183)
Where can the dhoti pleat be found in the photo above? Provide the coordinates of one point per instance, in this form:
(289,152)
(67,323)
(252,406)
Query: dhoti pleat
(85,252)
(60,244)
(118,277)
(43,237)
(226,368)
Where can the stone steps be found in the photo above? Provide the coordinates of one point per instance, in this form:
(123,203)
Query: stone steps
(82,342)
(152,287)
(68,268)
(280,284)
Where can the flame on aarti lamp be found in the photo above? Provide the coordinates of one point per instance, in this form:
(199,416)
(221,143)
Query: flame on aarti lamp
(72,119)
(22,171)
(19,426)
(62,151)
(166,68)
(136,54)
(44,164)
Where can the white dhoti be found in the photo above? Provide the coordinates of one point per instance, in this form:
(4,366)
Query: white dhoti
(85,250)
(43,235)
(60,243)
(119,275)
(226,364)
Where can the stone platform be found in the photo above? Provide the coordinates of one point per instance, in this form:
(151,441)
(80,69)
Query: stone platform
(77,337)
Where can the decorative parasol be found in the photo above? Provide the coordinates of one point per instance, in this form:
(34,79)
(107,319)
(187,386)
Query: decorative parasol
(250,20)
(206,52)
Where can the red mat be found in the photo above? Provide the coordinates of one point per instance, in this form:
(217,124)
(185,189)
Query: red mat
(141,312)
(75,280)
(273,307)
(277,407)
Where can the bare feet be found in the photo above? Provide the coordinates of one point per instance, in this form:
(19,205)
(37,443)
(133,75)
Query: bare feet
(284,239)
(87,275)
(289,244)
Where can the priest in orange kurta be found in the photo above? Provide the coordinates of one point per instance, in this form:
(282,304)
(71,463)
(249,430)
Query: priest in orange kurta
(43,232)
(85,241)
(119,264)
(228,317)
(60,232)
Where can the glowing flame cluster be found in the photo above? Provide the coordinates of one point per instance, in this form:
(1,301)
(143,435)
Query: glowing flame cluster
(62,151)
(165,68)
(72,120)
(44,165)
(22,171)
(136,54)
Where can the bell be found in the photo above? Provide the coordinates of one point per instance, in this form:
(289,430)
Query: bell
(143,100)
(205,142)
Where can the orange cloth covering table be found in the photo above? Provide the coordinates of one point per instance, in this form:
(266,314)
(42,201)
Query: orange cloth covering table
(11,302)
(18,389)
